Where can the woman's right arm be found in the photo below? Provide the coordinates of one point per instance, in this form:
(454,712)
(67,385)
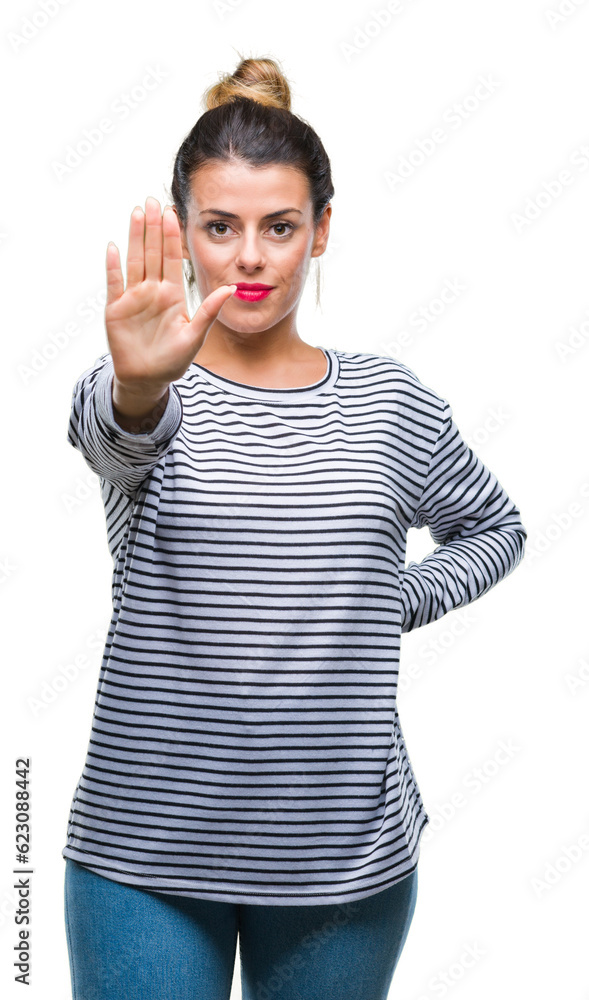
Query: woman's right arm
(125,410)
(124,456)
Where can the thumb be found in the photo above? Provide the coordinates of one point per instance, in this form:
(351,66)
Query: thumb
(211,306)
(207,313)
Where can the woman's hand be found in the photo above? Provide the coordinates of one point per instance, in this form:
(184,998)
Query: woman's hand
(152,341)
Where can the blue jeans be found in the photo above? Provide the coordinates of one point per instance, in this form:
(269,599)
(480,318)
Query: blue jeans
(128,943)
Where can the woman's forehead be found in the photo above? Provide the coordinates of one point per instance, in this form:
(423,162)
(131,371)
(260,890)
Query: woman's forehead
(240,182)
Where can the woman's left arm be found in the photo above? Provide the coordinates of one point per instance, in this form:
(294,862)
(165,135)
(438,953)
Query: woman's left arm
(476,526)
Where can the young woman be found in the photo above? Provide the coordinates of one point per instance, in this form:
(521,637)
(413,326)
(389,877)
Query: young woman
(246,774)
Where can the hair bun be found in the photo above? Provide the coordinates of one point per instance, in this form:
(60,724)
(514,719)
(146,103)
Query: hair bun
(261,80)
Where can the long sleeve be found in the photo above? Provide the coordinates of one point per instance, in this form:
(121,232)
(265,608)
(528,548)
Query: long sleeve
(120,457)
(477,529)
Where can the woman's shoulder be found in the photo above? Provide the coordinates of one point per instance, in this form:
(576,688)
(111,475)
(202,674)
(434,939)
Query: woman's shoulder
(389,373)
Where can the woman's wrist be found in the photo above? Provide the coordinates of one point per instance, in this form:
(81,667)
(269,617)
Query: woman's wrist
(138,412)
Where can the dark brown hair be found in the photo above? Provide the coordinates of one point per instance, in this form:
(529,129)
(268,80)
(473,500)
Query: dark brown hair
(248,118)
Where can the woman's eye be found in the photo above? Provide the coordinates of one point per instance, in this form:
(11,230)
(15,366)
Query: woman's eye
(212,227)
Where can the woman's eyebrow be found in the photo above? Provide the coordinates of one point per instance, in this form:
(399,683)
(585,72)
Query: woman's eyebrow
(232,215)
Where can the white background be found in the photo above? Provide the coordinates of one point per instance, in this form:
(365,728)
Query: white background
(483,209)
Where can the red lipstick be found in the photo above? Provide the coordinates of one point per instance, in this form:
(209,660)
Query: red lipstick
(251,291)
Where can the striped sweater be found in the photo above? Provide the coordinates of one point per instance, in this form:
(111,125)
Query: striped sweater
(245,744)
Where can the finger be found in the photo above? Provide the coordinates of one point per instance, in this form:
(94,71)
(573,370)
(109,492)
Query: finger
(211,306)
(172,248)
(114,276)
(136,253)
(153,240)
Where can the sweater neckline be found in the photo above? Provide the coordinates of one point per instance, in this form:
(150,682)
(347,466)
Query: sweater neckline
(326,382)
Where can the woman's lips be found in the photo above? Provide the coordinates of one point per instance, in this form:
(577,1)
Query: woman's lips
(252,295)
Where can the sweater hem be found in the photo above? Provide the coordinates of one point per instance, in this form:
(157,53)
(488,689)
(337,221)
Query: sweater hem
(104,867)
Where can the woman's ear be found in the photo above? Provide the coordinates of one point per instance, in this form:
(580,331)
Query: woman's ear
(322,233)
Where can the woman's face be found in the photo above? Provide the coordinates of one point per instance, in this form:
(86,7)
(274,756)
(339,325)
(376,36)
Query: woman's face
(231,238)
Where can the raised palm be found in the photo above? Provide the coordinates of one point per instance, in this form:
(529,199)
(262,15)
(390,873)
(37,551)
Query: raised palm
(151,338)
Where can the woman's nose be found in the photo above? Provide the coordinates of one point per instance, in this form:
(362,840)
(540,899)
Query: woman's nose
(249,251)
